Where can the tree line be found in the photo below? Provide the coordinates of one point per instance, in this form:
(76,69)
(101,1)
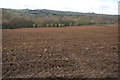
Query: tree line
(14,19)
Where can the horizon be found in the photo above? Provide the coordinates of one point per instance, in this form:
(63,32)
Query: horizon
(109,7)
(62,11)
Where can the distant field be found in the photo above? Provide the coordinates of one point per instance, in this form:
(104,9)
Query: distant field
(81,52)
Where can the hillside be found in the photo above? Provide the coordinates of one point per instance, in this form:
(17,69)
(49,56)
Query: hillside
(26,18)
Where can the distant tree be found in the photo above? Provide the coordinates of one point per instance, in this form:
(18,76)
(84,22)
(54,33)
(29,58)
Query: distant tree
(99,20)
(83,20)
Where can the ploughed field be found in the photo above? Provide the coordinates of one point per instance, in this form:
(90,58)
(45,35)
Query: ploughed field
(79,52)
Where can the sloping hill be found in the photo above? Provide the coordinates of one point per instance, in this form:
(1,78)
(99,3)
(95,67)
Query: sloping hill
(25,18)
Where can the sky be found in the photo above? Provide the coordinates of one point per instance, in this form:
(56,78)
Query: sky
(95,6)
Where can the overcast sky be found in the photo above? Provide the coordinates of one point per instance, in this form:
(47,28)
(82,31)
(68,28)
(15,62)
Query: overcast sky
(96,6)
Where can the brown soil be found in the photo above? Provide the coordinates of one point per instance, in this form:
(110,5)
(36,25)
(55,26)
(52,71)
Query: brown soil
(81,52)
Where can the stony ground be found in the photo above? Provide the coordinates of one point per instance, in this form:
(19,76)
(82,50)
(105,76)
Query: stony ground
(81,52)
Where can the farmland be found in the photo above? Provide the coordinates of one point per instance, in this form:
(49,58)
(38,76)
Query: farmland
(81,52)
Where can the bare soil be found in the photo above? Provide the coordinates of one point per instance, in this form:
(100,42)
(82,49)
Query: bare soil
(81,52)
